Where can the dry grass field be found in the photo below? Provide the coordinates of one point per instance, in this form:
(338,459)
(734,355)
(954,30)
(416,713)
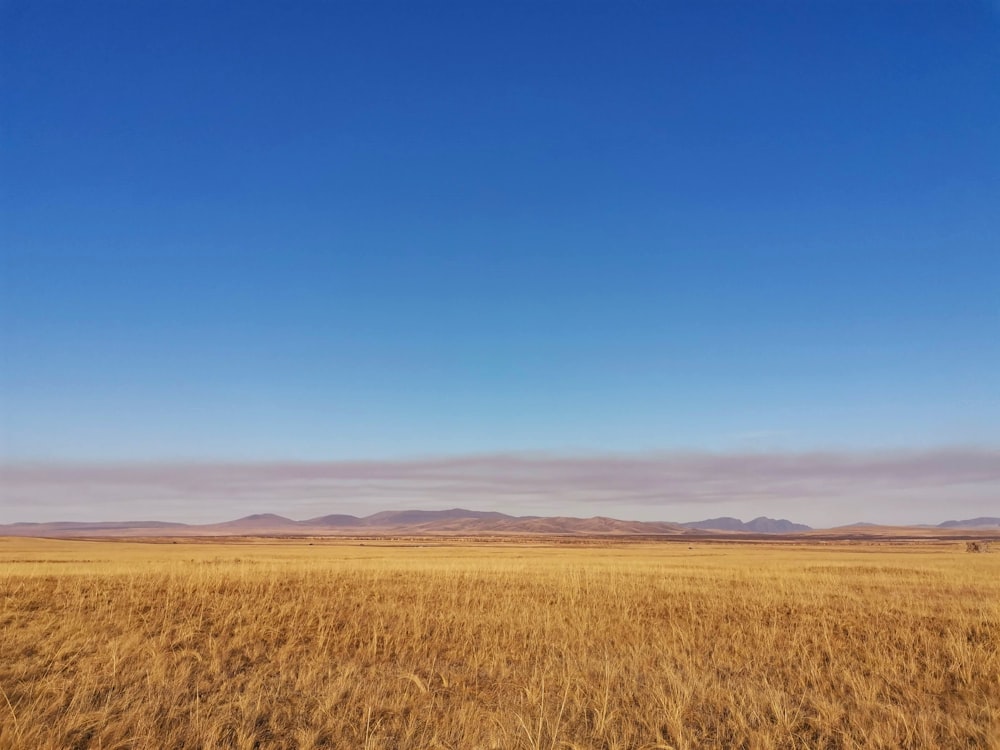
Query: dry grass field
(284,644)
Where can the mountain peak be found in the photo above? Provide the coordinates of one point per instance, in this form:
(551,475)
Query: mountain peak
(759,525)
(970,523)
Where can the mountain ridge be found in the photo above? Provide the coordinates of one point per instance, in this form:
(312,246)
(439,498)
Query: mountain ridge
(759,525)
(971,523)
(458,521)
(407,521)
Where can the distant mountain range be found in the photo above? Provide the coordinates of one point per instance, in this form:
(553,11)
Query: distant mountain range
(759,525)
(456,521)
(972,523)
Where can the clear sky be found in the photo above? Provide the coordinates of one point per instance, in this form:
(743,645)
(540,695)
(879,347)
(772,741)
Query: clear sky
(323,232)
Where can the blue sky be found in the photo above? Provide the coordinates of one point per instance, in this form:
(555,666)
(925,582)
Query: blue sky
(333,231)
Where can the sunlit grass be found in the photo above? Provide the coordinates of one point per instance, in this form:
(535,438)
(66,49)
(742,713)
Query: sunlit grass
(421,645)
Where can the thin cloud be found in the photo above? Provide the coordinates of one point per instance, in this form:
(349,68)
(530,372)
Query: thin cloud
(546,484)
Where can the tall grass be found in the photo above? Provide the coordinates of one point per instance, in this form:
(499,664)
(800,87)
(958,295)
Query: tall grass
(114,645)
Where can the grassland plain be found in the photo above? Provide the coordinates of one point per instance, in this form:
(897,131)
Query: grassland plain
(321,643)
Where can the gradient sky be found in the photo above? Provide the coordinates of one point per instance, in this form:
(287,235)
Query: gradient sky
(313,232)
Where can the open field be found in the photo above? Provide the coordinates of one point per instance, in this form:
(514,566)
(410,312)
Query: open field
(331,643)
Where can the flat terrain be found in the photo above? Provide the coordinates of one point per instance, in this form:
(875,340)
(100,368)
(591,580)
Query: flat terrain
(526,644)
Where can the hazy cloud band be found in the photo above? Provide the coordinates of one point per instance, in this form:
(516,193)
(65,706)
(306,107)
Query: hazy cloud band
(651,485)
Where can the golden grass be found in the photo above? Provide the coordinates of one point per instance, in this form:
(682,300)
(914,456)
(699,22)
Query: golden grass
(287,645)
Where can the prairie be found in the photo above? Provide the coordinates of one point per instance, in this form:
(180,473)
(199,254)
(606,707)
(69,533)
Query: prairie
(529,644)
